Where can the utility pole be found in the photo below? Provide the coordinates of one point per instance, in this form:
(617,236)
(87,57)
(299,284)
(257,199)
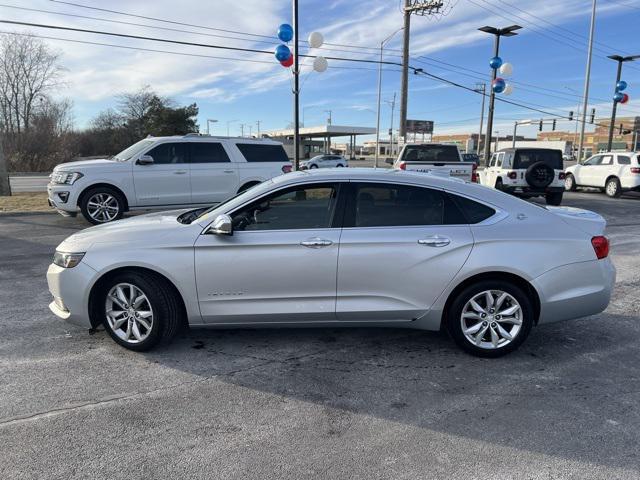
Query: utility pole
(393,107)
(5,189)
(587,78)
(328,119)
(482,89)
(250,126)
(229,122)
(242,129)
(620,61)
(296,89)
(258,125)
(497,32)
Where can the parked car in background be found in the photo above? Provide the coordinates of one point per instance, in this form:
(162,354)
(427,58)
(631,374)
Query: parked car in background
(614,173)
(527,172)
(164,172)
(471,157)
(324,161)
(415,250)
(438,158)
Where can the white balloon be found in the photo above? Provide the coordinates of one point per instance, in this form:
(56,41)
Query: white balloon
(320,64)
(506,69)
(315,39)
(508,89)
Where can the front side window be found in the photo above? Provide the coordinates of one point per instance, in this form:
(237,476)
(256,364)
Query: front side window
(208,153)
(301,207)
(595,160)
(388,205)
(168,153)
(256,152)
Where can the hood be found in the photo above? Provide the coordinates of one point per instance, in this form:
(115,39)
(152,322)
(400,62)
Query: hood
(84,164)
(144,228)
(585,220)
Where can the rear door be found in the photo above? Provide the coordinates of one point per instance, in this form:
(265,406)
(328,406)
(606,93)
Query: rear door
(166,180)
(214,177)
(401,246)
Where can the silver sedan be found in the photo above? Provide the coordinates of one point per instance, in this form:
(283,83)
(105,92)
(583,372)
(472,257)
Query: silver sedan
(340,247)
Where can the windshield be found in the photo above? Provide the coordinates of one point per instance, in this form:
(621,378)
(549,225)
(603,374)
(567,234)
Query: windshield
(526,157)
(133,150)
(431,153)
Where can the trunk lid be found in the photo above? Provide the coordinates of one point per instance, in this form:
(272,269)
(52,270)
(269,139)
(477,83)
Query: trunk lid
(584,220)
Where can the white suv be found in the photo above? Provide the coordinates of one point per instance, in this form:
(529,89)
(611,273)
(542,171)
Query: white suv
(612,172)
(161,172)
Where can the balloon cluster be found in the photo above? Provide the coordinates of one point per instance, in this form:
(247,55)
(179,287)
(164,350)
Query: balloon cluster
(499,85)
(620,97)
(285,56)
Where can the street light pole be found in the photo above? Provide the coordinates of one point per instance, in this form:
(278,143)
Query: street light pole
(620,61)
(296,89)
(210,120)
(497,32)
(229,122)
(393,107)
(587,78)
(482,88)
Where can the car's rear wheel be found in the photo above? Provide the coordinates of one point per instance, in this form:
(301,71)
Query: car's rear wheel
(553,198)
(490,318)
(612,188)
(102,205)
(139,310)
(570,183)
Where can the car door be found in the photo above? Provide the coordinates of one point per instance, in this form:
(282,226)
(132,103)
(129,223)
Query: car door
(166,180)
(585,173)
(601,172)
(214,177)
(400,247)
(280,263)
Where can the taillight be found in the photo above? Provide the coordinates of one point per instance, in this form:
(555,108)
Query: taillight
(402,165)
(561,176)
(512,175)
(286,168)
(474,173)
(634,170)
(600,246)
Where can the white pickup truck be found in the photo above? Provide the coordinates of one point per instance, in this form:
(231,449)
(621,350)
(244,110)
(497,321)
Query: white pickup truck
(437,158)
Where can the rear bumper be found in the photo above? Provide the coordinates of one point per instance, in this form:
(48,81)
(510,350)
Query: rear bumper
(575,290)
(533,192)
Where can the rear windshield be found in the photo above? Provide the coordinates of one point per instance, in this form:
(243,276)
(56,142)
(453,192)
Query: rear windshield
(431,153)
(526,157)
(255,152)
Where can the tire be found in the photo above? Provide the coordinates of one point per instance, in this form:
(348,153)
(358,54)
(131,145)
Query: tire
(313,165)
(553,198)
(539,175)
(339,165)
(613,188)
(159,301)
(499,185)
(570,183)
(486,347)
(102,205)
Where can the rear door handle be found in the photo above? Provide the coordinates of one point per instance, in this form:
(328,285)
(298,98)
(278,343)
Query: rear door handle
(316,242)
(435,241)
(179,172)
(229,171)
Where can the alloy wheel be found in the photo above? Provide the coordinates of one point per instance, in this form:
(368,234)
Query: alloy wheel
(103,207)
(612,188)
(491,319)
(129,313)
(568,182)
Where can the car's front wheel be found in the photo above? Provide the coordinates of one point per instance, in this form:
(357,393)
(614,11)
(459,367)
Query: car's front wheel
(490,318)
(313,165)
(102,205)
(139,310)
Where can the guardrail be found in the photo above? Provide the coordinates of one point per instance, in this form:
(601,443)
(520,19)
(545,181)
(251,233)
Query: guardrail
(28,182)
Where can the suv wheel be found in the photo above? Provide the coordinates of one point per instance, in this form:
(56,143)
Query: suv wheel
(490,318)
(570,183)
(499,184)
(553,198)
(139,310)
(612,188)
(102,205)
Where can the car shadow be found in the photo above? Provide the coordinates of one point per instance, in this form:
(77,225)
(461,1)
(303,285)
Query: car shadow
(566,390)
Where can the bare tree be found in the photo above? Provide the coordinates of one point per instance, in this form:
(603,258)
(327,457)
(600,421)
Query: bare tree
(135,108)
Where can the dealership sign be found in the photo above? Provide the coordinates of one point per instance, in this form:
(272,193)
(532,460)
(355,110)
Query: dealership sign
(419,126)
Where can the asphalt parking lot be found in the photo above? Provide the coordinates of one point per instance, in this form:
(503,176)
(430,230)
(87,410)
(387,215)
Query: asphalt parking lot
(315,403)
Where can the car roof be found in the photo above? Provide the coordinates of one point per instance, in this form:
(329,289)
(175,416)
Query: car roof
(199,137)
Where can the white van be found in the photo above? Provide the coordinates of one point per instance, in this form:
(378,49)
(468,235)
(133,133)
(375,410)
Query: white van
(163,172)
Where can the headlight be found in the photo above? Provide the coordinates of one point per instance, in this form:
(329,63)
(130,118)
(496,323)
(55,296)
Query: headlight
(65,178)
(67,260)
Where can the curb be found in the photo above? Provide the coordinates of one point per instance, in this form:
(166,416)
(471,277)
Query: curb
(25,214)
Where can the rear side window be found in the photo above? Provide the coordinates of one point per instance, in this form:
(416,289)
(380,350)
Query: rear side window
(208,153)
(387,205)
(431,153)
(624,160)
(169,153)
(524,158)
(255,152)
(473,212)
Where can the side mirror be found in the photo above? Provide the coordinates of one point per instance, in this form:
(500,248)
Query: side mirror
(222,225)
(145,160)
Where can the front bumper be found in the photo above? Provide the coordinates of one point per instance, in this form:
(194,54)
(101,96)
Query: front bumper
(70,288)
(64,198)
(575,290)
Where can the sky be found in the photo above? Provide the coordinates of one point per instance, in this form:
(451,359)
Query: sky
(548,58)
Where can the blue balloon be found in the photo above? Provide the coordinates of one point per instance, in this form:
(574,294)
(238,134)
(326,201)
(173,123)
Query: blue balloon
(282,53)
(498,85)
(495,63)
(621,85)
(285,32)
(618,97)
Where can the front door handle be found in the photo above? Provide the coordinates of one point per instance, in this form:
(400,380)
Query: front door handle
(229,171)
(179,172)
(435,241)
(316,242)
